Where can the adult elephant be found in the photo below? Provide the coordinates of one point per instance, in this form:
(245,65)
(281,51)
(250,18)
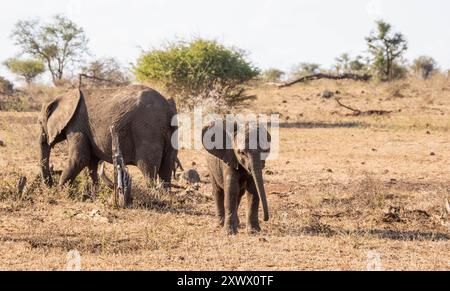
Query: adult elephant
(141,117)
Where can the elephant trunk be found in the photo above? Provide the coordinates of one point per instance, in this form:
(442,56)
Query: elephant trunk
(45,159)
(256,169)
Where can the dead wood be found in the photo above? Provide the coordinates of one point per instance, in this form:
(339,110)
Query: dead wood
(313,77)
(357,112)
(113,82)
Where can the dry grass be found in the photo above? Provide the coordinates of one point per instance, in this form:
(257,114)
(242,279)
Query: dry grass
(342,186)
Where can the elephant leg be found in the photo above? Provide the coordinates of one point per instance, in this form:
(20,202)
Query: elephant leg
(148,159)
(79,157)
(231,185)
(93,170)
(241,194)
(167,167)
(252,209)
(219,198)
(93,174)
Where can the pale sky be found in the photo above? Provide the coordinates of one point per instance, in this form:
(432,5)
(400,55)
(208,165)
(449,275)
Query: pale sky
(276,33)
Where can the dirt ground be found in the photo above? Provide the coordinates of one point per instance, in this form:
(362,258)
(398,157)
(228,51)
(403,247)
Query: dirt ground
(346,193)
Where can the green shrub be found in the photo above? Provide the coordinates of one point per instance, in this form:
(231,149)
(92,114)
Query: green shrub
(198,70)
(424,66)
(304,69)
(6,87)
(28,69)
(387,49)
(346,64)
(272,75)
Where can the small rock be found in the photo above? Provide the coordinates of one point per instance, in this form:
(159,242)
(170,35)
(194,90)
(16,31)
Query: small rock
(191,176)
(284,101)
(432,154)
(94,213)
(193,164)
(329,170)
(269,172)
(374,150)
(288,162)
(2,144)
(337,92)
(327,94)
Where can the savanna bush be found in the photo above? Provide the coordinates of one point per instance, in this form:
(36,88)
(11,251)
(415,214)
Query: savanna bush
(304,69)
(198,71)
(272,75)
(6,87)
(424,66)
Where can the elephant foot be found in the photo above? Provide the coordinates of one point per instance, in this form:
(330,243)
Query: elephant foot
(231,228)
(253,229)
(220,222)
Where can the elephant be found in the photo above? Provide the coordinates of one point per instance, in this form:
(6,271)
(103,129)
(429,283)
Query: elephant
(141,116)
(235,170)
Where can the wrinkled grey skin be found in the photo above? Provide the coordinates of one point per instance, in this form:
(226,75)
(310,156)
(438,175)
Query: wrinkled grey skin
(140,115)
(233,173)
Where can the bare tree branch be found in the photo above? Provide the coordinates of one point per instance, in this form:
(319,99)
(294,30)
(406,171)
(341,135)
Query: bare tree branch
(357,112)
(327,76)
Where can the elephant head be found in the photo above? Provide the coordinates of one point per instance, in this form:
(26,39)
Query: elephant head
(54,118)
(246,146)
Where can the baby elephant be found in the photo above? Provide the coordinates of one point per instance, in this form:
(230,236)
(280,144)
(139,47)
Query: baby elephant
(235,162)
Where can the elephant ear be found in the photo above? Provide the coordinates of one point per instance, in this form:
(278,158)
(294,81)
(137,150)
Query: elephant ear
(59,112)
(218,143)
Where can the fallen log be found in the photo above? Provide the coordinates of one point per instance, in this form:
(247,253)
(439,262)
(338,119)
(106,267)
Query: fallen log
(313,77)
(357,112)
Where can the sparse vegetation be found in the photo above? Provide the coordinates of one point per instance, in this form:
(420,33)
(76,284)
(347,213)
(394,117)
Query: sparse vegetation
(29,69)
(348,180)
(387,49)
(272,75)
(424,66)
(106,71)
(198,70)
(346,64)
(58,44)
(304,69)
(6,86)
(377,194)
